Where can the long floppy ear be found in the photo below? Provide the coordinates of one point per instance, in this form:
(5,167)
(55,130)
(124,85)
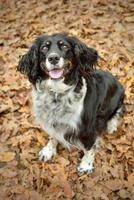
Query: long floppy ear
(28,64)
(86,57)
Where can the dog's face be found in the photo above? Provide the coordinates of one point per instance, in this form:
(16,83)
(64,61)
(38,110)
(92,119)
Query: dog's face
(56,57)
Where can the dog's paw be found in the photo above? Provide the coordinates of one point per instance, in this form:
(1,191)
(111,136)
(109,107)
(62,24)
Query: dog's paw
(85,168)
(47,153)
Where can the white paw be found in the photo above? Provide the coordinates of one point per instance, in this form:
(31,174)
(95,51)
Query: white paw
(85,168)
(47,153)
(112,126)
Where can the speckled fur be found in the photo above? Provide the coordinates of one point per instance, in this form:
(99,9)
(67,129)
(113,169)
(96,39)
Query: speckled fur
(58,113)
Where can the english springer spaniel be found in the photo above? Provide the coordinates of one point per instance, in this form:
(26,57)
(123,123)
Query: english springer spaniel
(72,101)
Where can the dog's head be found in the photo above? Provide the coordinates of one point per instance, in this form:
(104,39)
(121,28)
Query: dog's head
(57,56)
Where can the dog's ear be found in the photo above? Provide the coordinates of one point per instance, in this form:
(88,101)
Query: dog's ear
(29,63)
(86,57)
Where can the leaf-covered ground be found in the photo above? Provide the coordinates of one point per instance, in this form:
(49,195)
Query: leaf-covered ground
(106,25)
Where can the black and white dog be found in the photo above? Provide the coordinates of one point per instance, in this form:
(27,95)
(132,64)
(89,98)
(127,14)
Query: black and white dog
(72,102)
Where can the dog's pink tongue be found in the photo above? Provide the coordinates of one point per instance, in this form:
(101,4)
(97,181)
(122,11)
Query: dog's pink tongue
(56,73)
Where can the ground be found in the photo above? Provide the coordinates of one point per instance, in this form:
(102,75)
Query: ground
(106,25)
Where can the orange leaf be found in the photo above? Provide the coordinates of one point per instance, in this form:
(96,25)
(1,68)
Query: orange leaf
(6,156)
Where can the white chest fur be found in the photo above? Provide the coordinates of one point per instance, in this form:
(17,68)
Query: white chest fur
(57,108)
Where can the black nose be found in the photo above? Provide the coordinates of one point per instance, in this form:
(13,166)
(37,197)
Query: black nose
(53,58)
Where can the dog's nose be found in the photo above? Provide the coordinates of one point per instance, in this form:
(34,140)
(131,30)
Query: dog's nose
(53,58)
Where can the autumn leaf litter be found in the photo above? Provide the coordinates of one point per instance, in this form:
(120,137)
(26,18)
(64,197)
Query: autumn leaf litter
(104,25)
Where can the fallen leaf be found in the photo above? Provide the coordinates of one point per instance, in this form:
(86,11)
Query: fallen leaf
(131,179)
(129,19)
(115,184)
(6,156)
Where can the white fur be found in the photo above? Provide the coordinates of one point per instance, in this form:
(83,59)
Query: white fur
(59,117)
(48,151)
(114,122)
(86,165)
(87,162)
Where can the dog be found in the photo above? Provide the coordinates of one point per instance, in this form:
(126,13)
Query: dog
(72,101)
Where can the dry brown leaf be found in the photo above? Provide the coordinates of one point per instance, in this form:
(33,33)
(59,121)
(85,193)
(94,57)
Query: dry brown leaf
(8,173)
(68,192)
(124,194)
(129,19)
(6,156)
(63,161)
(115,171)
(131,179)
(115,184)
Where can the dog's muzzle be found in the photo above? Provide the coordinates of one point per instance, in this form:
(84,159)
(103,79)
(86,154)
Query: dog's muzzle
(55,65)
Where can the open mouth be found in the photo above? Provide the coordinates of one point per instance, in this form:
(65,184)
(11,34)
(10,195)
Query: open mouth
(56,73)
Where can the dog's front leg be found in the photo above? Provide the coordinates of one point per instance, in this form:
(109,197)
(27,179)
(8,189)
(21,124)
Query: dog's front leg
(49,150)
(87,162)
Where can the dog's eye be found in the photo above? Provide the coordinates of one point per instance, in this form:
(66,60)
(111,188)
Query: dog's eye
(60,42)
(45,48)
(65,47)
